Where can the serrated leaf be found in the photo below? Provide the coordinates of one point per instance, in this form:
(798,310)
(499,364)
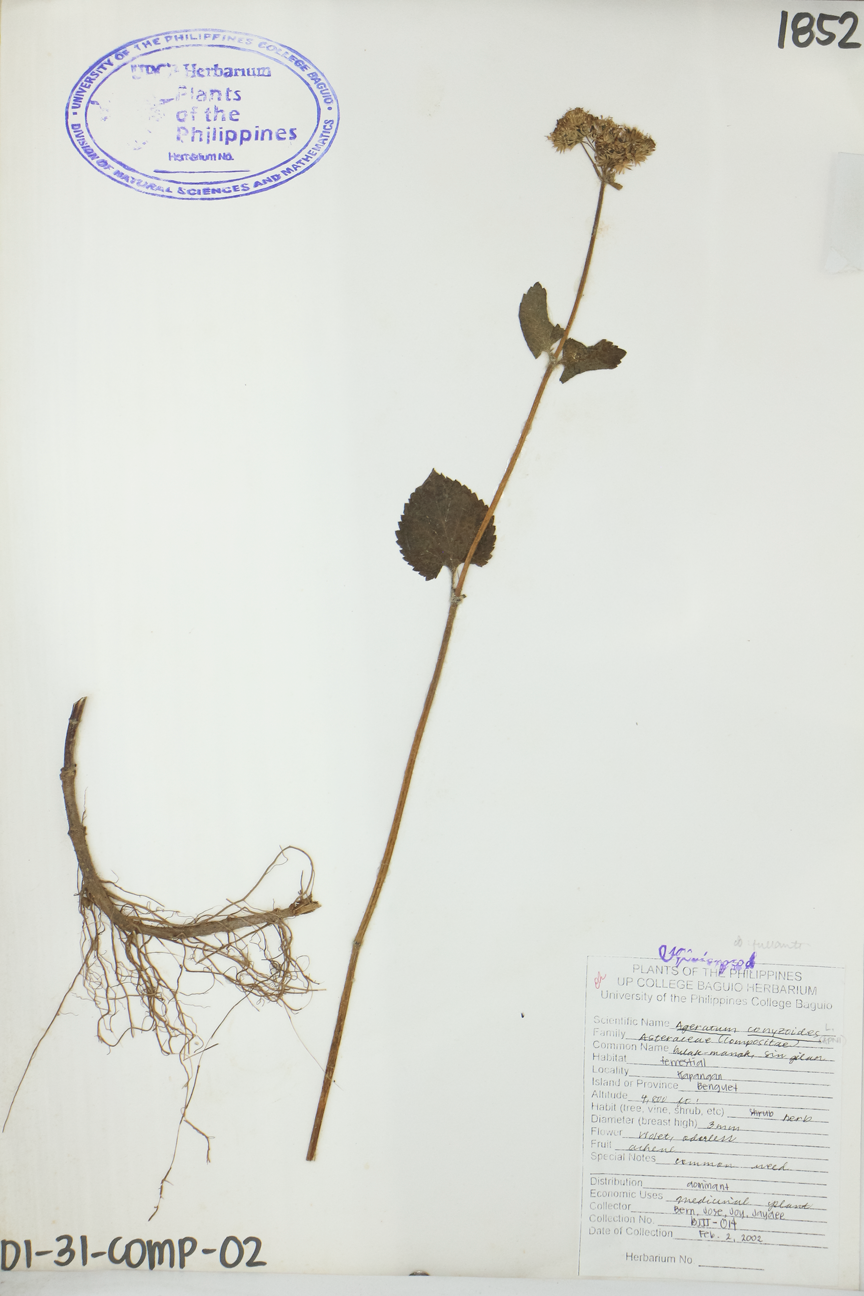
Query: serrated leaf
(438,524)
(579,358)
(537,328)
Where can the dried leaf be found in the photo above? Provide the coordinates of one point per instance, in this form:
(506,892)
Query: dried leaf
(537,328)
(579,358)
(438,524)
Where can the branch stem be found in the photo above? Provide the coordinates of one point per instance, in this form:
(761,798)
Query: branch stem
(529,422)
(455,601)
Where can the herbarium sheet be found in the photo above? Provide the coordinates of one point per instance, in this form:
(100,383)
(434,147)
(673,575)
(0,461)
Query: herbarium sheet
(432,554)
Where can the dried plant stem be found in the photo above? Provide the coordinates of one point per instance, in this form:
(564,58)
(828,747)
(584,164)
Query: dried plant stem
(455,601)
(95,892)
(502,485)
(383,870)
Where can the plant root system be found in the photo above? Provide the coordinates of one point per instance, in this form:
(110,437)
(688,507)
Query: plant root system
(141,963)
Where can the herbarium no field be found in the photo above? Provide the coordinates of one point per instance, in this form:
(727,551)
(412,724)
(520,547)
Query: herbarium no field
(142,965)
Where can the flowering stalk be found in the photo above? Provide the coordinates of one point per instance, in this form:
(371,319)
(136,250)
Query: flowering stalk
(445,524)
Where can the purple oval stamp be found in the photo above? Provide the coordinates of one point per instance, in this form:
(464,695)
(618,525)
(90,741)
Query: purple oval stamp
(202,113)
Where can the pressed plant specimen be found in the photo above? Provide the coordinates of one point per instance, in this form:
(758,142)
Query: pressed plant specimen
(445,524)
(137,956)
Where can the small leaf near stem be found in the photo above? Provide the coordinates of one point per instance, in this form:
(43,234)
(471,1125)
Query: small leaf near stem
(438,524)
(577,358)
(537,328)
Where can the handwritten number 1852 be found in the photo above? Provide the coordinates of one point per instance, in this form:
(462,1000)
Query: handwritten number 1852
(803,33)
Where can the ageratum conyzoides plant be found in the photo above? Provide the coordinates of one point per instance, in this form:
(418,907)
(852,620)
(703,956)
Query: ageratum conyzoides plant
(138,957)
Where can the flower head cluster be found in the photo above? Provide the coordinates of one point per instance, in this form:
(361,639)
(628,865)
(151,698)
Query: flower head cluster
(611,148)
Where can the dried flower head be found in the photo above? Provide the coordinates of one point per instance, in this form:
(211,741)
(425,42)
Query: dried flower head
(611,148)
